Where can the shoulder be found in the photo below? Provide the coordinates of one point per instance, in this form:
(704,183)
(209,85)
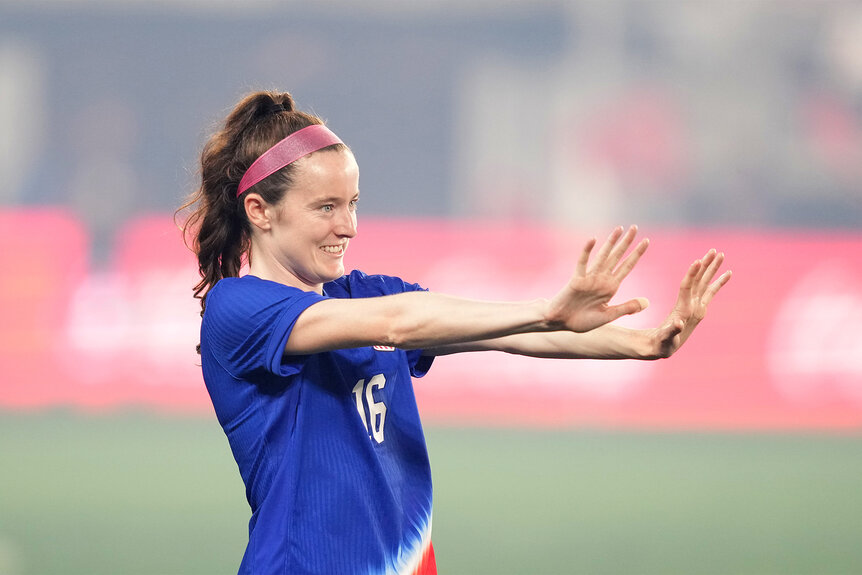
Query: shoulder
(237,299)
(247,322)
(227,288)
(245,291)
(360,284)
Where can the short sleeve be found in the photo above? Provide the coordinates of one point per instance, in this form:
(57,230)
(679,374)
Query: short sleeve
(419,364)
(248,321)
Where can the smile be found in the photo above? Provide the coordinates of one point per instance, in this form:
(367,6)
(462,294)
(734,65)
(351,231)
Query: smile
(334,250)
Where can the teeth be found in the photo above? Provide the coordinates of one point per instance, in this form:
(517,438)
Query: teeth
(332,249)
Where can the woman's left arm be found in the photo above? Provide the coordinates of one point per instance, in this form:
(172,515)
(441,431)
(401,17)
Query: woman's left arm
(609,341)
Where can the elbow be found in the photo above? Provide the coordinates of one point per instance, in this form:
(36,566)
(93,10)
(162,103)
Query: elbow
(405,322)
(403,331)
(399,334)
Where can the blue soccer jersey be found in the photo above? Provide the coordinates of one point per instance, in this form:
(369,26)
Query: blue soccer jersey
(329,445)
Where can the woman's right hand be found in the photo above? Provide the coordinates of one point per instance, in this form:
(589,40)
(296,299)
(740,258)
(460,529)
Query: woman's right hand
(584,303)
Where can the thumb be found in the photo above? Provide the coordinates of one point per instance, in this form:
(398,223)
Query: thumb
(630,307)
(673,329)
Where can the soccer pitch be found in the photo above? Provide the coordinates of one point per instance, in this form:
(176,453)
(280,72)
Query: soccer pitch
(137,493)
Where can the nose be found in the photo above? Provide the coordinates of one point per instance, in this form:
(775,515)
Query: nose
(346,224)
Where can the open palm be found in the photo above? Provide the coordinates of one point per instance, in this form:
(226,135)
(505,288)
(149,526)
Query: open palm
(695,293)
(584,303)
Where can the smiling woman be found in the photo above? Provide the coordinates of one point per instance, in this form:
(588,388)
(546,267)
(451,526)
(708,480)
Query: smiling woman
(252,160)
(301,241)
(310,370)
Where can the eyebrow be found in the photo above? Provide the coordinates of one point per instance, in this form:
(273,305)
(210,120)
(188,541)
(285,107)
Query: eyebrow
(331,199)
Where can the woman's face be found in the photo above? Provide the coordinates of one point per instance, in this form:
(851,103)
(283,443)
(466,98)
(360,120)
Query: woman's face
(315,220)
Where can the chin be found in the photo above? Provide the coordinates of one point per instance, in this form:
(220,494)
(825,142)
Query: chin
(334,274)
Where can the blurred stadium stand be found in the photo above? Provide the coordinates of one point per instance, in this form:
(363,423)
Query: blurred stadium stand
(732,114)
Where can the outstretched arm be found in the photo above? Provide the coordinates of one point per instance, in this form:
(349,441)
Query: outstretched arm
(609,341)
(427,320)
(606,342)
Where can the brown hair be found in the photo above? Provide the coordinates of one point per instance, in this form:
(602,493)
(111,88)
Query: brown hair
(217,228)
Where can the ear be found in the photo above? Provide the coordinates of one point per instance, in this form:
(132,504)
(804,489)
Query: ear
(259,212)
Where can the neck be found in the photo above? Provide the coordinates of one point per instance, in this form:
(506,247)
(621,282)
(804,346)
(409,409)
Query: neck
(264,265)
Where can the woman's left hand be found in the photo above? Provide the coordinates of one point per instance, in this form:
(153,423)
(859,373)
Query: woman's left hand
(695,292)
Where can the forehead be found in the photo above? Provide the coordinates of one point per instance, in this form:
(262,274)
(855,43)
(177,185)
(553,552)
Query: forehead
(326,165)
(325,174)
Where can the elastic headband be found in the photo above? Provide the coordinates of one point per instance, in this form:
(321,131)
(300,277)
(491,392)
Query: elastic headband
(295,146)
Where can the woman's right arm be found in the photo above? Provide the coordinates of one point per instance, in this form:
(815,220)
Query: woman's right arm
(417,320)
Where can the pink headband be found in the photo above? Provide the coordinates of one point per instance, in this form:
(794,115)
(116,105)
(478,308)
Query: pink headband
(298,144)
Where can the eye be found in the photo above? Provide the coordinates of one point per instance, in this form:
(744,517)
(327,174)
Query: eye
(327,208)
(353,204)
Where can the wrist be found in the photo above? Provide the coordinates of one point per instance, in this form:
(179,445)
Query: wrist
(645,344)
(546,323)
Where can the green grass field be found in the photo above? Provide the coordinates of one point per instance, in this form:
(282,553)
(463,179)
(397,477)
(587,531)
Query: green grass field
(142,494)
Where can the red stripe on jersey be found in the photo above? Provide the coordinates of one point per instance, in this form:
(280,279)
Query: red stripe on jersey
(428,564)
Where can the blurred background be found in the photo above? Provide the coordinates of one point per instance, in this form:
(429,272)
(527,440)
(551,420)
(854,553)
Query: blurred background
(493,139)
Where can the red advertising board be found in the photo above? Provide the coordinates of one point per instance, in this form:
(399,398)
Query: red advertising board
(781,348)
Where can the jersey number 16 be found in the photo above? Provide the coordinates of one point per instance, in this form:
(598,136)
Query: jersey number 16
(376,409)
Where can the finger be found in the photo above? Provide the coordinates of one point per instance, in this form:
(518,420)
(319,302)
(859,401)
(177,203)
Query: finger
(605,250)
(629,263)
(585,257)
(709,273)
(630,307)
(716,285)
(621,247)
(705,261)
(689,278)
(684,297)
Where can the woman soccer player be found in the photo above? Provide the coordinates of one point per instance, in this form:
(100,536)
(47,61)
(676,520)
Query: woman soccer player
(309,370)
